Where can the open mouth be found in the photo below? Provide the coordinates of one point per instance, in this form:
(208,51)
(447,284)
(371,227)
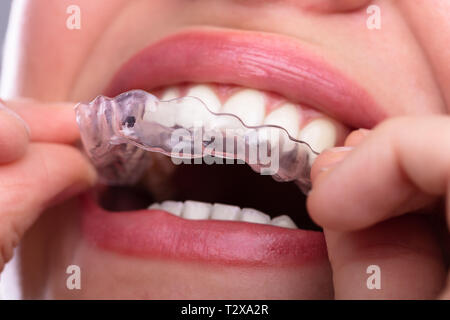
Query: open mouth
(225,213)
(232,191)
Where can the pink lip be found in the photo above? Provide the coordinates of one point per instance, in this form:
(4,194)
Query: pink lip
(252,59)
(158,234)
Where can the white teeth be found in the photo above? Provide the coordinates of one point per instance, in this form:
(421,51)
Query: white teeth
(207,95)
(248,105)
(173,207)
(155,206)
(269,134)
(320,134)
(163,117)
(287,116)
(254,216)
(195,210)
(193,115)
(284,221)
(170,93)
(225,212)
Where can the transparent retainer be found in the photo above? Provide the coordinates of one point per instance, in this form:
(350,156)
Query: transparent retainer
(118,133)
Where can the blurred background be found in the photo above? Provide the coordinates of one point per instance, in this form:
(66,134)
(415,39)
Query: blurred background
(4,13)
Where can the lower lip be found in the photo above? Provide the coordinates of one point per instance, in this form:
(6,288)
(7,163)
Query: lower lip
(154,234)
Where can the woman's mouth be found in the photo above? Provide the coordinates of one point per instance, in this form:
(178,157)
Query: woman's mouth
(223,213)
(228,214)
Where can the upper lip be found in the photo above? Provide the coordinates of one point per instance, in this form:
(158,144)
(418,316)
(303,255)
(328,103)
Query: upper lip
(251,59)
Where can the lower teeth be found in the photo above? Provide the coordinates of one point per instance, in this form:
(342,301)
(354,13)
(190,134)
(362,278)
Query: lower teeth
(213,192)
(196,210)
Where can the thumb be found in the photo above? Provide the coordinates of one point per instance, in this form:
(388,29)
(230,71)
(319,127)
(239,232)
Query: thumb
(46,175)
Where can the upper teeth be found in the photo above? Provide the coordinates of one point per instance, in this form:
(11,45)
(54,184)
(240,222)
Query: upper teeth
(250,106)
(195,210)
(320,134)
(287,116)
(170,93)
(207,95)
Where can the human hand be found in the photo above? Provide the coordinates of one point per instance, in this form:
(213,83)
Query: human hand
(38,166)
(373,198)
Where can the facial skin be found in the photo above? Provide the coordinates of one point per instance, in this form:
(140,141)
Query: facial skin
(47,62)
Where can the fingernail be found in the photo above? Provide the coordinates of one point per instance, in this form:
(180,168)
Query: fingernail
(340,149)
(333,157)
(364,132)
(5,109)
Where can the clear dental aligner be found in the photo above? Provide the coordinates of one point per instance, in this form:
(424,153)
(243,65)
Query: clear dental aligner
(119,132)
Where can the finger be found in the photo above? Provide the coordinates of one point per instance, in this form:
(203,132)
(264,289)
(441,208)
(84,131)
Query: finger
(333,156)
(46,175)
(396,259)
(400,167)
(327,160)
(13,136)
(48,122)
(393,247)
(356,137)
(405,249)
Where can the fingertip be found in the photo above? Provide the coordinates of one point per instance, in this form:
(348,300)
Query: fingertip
(326,206)
(318,210)
(356,137)
(327,160)
(82,170)
(68,172)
